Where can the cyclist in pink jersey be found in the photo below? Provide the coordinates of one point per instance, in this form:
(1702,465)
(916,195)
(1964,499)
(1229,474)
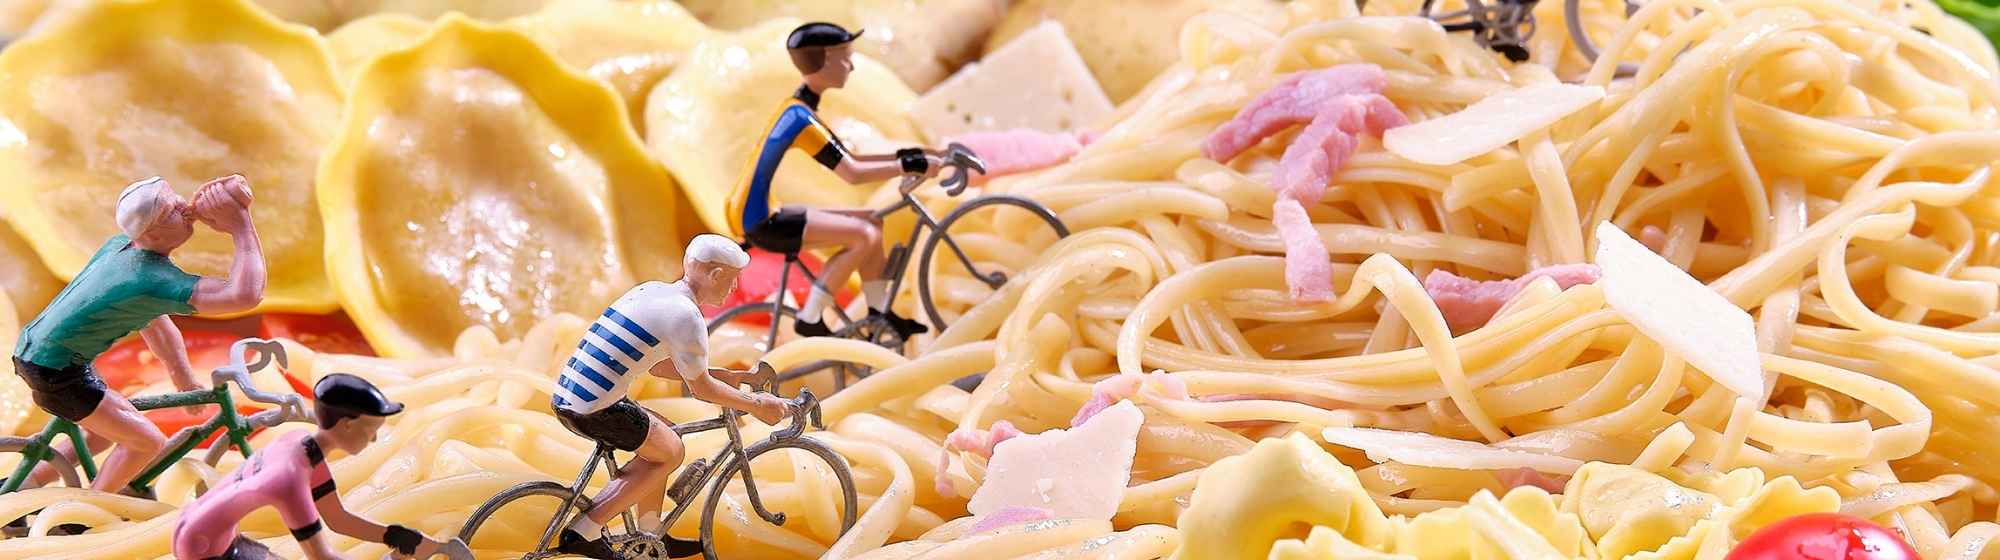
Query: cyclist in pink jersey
(291,475)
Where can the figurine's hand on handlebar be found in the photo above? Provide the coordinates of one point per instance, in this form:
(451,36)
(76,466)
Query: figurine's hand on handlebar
(769,409)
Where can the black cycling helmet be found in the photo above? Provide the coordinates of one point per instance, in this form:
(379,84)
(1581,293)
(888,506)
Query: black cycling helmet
(820,34)
(352,394)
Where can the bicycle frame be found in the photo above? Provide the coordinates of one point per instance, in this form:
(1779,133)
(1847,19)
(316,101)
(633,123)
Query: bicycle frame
(603,455)
(184,441)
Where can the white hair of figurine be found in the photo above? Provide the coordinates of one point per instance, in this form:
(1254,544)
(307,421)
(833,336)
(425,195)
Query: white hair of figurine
(718,250)
(139,205)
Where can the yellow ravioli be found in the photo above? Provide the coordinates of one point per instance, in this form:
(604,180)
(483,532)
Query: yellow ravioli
(705,120)
(361,40)
(922,41)
(478,182)
(631,45)
(185,89)
(326,15)
(23,279)
(17,407)
(1123,47)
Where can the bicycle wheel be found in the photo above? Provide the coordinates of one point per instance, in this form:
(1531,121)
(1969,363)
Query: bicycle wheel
(993,279)
(64,469)
(849,502)
(530,508)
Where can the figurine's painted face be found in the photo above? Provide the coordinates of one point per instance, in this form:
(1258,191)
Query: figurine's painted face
(711,282)
(354,434)
(839,62)
(174,226)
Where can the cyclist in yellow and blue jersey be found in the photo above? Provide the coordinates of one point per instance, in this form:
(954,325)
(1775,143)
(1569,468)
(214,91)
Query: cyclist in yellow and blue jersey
(823,57)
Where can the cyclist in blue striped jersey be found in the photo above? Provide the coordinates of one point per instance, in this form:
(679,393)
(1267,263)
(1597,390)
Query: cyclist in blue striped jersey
(655,328)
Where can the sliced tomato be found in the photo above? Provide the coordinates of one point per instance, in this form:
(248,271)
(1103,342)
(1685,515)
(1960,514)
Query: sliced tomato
(172,420)
(1823,536)
(129,364)
(324,333)
(759,280)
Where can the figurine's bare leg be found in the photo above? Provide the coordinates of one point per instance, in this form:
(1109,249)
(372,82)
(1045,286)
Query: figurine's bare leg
(138,441)
(861,248)
(644,480)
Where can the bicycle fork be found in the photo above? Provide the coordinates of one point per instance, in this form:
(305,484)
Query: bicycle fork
(41,448)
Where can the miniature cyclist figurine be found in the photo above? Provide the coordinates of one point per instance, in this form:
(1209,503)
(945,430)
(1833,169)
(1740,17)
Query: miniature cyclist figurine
(291,475)
(656,328)
(130,285)
(822,55)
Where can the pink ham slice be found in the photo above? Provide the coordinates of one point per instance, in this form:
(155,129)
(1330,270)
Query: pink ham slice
(1019,150)
(1337,105)
(1308,272)
(1123,386)
(1009,515)
(1296,100)
(1469,304)
(971,440)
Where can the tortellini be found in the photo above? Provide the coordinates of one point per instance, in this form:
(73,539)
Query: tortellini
(184,89)
(631,45)
(23,279)
(1244,504)
(361,40)
(922,41)
(479,182)
(1123,47)
(705,119)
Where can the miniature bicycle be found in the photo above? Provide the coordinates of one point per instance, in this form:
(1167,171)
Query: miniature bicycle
(1506,25)
(39,448)
(732,461)
(876,330)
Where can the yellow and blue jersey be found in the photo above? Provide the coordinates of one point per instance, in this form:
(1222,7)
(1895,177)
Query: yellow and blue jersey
(795,126)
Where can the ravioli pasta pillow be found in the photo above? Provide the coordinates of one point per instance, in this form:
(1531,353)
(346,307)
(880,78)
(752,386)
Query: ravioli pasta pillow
(631,45)
(478,182)
(23,279)
(706,119)
(203,88)
(361,40)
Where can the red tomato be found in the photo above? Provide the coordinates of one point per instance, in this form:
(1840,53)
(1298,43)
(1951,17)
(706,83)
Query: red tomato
(1823,536)
(759,280)
(174,419)
(130,364)
(325,333)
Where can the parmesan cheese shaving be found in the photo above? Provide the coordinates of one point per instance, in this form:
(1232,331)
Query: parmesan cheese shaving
(1497,120)
(1426,450)
(1684,316)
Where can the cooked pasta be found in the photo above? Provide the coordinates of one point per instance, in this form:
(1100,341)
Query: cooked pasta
(1825,166)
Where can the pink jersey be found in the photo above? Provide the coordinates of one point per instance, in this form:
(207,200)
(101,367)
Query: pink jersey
(289,474)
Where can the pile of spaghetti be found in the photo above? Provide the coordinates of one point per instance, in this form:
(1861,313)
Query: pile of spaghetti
(1823,165)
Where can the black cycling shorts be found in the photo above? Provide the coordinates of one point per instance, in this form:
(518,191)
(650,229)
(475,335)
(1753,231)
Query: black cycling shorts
(783,233)
(71,393)
(622,425)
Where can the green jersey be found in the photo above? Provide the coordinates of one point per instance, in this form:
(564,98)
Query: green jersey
(121,290)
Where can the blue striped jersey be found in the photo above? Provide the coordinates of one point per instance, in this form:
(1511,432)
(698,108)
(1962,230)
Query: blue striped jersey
(653,321)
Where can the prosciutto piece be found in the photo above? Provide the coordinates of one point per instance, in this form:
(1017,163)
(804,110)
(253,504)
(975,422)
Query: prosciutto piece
(974,441)
(1336,105)
(1468,304)
(1123,386)
(1008,515)
(1019,150)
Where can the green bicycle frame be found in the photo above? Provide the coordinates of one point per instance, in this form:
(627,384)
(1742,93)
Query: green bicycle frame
(40,449)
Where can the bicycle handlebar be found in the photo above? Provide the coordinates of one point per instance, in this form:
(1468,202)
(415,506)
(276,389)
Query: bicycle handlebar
(239,372)
(805,410)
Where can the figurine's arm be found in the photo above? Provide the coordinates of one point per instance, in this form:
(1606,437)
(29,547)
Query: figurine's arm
(164,339)
(327,501)
(224,204)
(689,362)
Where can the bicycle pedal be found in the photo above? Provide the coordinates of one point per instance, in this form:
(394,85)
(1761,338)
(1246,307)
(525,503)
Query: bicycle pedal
(690,481)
